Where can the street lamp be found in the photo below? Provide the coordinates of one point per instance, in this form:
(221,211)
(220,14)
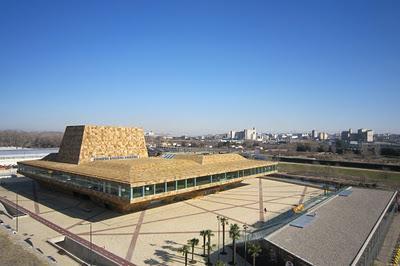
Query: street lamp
(219,222)
(91,243)
(17,214)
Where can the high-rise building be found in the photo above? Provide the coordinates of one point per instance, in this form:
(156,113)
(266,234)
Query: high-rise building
(362,135)
(246,134)
(250,134)
(314,134)
(365,135)
(231,134)
(323,136)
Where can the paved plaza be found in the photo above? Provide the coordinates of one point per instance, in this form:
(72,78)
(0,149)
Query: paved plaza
(152,236)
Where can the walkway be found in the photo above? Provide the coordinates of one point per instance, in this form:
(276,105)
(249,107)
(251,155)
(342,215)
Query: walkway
(67,233)
(385,254)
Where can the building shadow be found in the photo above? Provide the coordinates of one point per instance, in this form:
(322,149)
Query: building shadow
(78,205)
(56,201)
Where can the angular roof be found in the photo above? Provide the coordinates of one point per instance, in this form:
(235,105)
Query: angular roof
(154,169)
(339,229)
(84,143)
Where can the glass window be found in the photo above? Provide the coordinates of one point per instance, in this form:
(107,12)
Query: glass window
(137,192)
(203,180)
(190,182)
(229,175)
(232,175)
(222,177)
(148,190)
(95,185)
(215,178)
(181,184)
(160,188)
(171,186)
(125,192)
(113,190)
(247,172)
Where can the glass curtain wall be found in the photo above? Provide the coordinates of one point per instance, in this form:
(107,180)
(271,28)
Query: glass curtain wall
(126,192)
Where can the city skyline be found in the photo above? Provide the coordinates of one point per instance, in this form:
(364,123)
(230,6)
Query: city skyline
(198,68)
(151,132)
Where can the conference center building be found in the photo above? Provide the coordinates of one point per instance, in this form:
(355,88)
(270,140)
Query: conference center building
(110,165)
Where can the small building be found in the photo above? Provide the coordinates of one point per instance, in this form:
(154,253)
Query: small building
(111,166)
(348,229)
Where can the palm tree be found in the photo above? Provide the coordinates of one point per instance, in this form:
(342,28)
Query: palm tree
(193,242)
(209,247)
(184,250)
(203,233)
(254,251)
(234,233)
(223,221)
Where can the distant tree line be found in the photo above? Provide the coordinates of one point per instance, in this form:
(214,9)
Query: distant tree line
(16,138)
(303,147)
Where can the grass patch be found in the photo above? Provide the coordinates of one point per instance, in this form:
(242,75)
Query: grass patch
(340,172)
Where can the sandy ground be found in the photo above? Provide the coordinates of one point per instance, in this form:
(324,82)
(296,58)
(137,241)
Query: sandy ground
(13,253)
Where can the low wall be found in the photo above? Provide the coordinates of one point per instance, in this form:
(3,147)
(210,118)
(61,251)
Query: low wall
(10,211)
(80,253)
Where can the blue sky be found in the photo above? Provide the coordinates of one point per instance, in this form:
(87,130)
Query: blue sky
(195,67)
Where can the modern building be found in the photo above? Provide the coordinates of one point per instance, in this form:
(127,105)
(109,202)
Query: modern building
(239,135)
(323,136)
(314,134)
(363,135)
(347,229)
(150,134)
(232,134)
(110,165)
(246,134)
(250,134)
(10,156)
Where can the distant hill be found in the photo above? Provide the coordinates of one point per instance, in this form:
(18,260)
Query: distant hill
(17,138)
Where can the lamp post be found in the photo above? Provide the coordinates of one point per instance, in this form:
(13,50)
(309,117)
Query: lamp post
(245,227)
(219,222)
(91,243)
(16,203)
